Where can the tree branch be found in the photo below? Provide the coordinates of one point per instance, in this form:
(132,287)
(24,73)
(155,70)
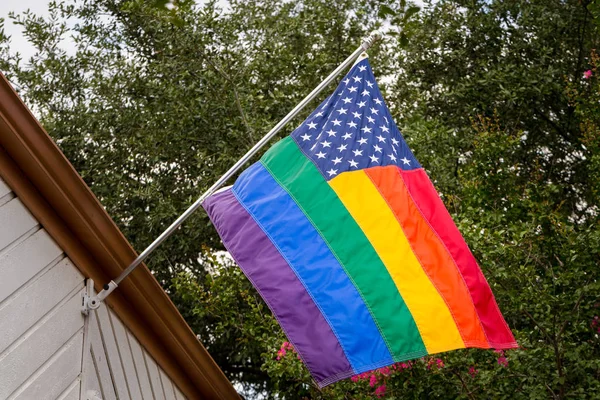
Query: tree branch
(236,93)
(464,385)
(550,339)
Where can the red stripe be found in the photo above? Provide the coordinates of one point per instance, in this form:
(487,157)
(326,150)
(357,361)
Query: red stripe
(432,208)
(433,256)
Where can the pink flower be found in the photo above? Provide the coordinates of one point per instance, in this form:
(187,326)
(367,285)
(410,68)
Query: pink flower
(355,378)
(385,371)
(280,354)
(405,365)
(437,362)
(283,350)
(287,346)
(473,372)
(587,74)
(372,380)
(501,352)
(380,391)
(398,365)
(364,375)
(503,361)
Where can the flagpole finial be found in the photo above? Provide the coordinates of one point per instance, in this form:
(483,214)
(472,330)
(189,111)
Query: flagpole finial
(373,37)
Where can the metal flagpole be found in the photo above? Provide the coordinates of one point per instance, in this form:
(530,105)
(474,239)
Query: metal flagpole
(94,302)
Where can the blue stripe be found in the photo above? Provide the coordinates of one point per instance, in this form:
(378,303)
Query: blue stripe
(316,267)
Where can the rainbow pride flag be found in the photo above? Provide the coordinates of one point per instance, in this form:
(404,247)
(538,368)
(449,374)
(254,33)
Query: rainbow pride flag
(342,233)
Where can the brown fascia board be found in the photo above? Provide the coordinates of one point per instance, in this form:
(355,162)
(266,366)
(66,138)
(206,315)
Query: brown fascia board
(45,181)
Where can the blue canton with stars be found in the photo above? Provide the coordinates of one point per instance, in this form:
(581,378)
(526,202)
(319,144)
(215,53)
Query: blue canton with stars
(353,129)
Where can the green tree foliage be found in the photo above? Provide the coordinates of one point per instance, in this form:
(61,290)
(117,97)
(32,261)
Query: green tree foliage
(499,99)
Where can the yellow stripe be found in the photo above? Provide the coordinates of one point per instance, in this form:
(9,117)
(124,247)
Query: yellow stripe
(376,219)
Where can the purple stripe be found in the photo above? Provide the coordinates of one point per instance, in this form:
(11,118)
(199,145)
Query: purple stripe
(278,285)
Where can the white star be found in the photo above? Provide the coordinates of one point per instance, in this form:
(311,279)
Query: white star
(326,143)
(378,101)
(370,84)
(346,136)
(377,148)
(374,159)
(319,114)
(338,160)
(362,104)
(395,141)
(312,125)
(394,148)
(332,172)
(356,114)
(366,129)
(336,122)
(346,81)
(342,110)
(362,68)
(346,100)
(353,163)
(371,120)
(374,111)
(362,141)
(392,157)
(352,89)
(385,128)
(330,132)
(352,124)
(357,78)
(340,93)
(320,154)
(365,92)
(381,138)
(386,120)
(342,147)
(405,160)
(357,152)
(305,137)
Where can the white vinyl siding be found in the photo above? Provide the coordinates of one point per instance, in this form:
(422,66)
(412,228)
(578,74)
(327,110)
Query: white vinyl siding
(41,335)
(48,349)
(117,366)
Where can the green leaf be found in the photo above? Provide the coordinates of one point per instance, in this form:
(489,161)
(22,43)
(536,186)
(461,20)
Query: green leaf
(403,40)
(412,10)
(385,11)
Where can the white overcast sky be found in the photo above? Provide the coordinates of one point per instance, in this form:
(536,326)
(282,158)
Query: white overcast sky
(18,42)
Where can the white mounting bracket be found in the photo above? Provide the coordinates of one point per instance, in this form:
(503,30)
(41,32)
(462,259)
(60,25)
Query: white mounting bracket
(91,301)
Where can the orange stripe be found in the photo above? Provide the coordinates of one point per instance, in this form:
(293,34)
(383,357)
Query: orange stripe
(431,253)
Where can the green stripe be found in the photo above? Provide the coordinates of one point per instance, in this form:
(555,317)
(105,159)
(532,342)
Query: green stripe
(303,181)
